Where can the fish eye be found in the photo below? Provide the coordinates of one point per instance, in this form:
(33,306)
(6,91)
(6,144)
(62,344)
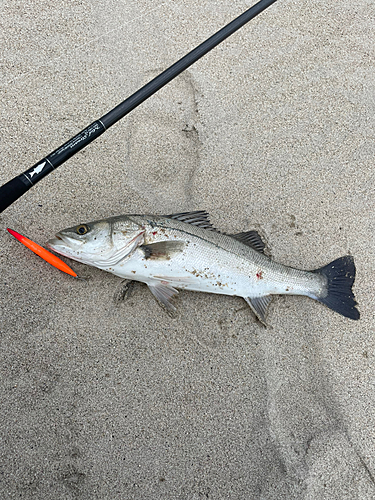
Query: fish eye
(82,229)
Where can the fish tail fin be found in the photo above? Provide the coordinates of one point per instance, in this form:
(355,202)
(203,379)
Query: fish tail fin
(340,276)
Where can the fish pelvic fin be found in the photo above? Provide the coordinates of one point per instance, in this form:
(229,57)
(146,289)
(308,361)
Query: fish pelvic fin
(340,275)
(164,294)
(259,306)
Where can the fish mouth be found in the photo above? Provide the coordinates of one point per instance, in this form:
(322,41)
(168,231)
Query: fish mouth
(53,242)
(64,239)
(61,241)
(56,240)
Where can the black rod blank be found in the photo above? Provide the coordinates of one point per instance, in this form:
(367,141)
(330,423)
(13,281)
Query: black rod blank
(15,188)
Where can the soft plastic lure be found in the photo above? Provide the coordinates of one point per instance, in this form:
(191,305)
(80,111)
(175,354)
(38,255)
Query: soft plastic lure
(43,253)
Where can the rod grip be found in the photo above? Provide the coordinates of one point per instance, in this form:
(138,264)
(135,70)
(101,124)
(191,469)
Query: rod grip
(11,191)
(18,186)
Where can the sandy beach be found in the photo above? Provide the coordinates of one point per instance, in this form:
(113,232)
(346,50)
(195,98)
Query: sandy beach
(273,130)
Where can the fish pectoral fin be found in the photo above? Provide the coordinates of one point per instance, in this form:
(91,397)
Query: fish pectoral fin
(259,306)
(164,293)
(251,239)
(162,250)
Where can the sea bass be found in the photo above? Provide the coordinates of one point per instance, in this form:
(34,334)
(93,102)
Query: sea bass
(185,251)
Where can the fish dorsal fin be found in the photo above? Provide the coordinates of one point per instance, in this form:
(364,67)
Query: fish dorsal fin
(251,239)
(162,250)
(259,306)
(198,218)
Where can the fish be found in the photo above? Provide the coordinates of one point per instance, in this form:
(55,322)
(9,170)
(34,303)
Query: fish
(184,251)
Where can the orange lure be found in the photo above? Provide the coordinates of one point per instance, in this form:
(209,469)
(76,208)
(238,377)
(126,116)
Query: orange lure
(42,252)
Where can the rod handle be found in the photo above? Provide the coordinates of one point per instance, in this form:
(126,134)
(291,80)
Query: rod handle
(11,191)
(18,186)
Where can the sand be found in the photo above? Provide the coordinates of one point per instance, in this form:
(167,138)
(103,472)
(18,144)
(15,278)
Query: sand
(273,130)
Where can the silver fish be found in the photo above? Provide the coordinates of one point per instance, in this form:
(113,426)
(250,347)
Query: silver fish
(185,251)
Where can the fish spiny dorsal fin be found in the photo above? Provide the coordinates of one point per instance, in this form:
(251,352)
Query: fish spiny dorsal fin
(251,239)
(259,306)
(198,218)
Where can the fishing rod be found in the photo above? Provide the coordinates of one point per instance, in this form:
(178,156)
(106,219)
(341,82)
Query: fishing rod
(18,186)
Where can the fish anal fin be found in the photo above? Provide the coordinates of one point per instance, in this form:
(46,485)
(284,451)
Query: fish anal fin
(251,239)
(164,294)
(198,218)
(259,306)
(162,250)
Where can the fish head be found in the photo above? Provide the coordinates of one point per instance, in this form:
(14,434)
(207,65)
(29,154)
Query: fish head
(102,243)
